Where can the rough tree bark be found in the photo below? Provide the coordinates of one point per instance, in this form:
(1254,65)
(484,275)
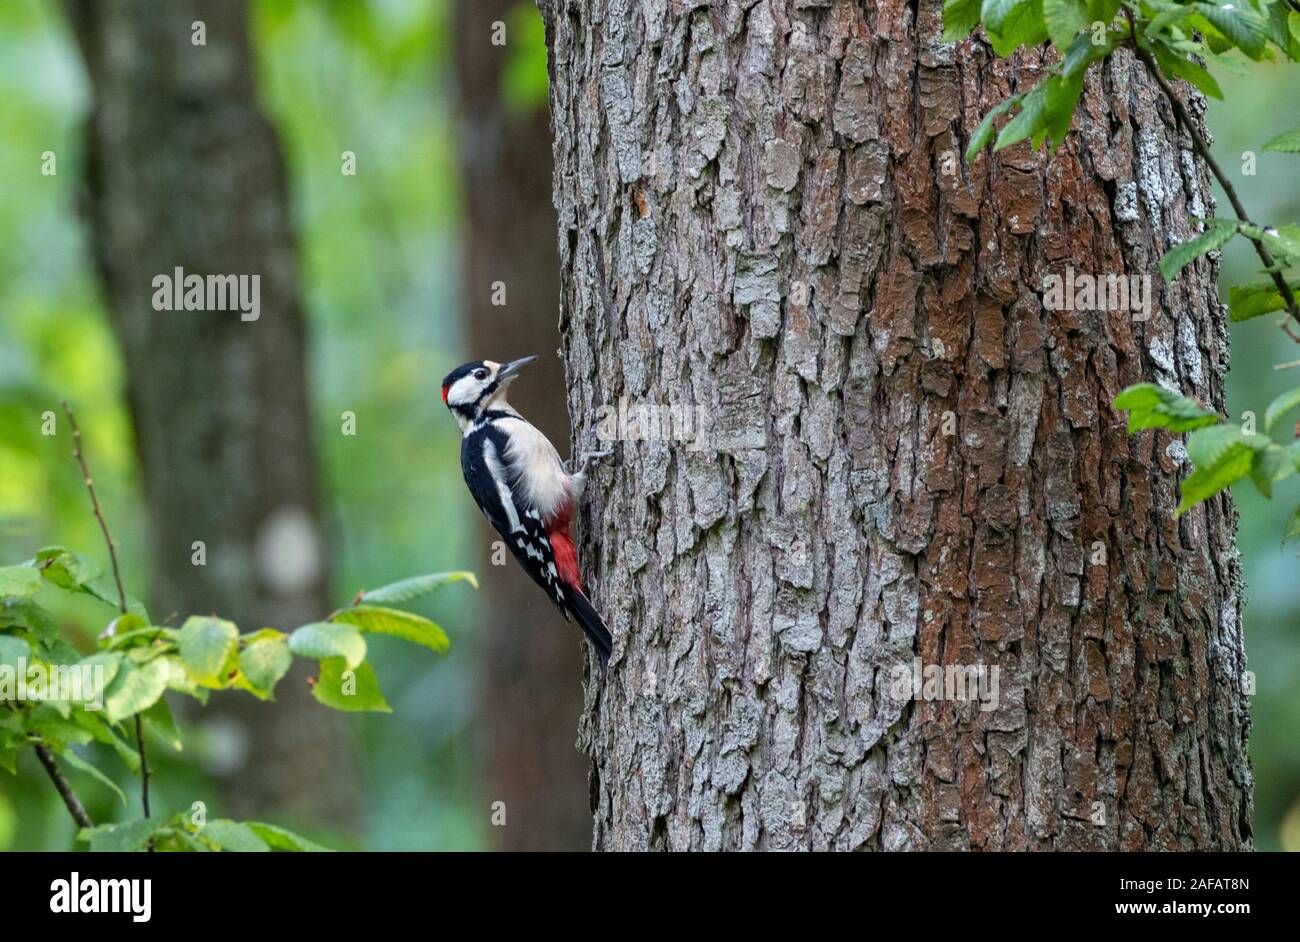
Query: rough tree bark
(184,170)
(763,212)
(530,692)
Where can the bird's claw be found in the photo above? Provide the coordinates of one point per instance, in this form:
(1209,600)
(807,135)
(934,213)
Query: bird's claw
(587,458)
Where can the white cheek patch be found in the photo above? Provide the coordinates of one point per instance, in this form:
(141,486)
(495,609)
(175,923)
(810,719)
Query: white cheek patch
(464,391)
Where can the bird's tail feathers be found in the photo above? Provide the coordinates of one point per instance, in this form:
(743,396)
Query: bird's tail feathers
(593,626)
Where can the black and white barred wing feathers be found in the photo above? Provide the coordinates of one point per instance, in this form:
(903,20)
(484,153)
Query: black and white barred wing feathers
(509,511)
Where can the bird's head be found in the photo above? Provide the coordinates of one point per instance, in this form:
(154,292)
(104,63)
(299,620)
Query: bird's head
(473,388)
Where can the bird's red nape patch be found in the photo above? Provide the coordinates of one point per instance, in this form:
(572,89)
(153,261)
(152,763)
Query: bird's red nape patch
(444,394)
(566,557)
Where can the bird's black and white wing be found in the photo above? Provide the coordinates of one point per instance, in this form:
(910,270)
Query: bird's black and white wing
(508,509)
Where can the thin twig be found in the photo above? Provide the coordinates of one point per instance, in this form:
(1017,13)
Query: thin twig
(94,502)
(144,765)
(1203,149)
(121,592)
(75,807)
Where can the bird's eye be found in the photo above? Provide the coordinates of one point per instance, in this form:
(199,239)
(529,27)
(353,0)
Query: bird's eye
(480,374)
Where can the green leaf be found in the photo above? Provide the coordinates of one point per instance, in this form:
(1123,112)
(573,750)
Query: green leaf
(1280,407)
(413,588)
(1063,93)
(1217,234)
(1288,142)
(353,691)
(1232,464)
(1151,406)
(1048,109)
(1102,11)
(102,668)
(1255,300)
(134,689)
(995,12)
(159,719)
(125,626)
(82,765)
(1082,52)
(1163,20)
(399,624)
(19,581)
(280,839)
(106,591)
(1011,24)
(1176,65)
(321,640)
(1207,446)
(24,613)
(207,648)
(1275,23)
(177,840)
(1283,241)
(1284,28)
(1239,24)
(1272,464)
(1064,19)
(984,132)
(960,17)
(1030,118)
(263,663)
(1292,526)
(153,638)
(105,732)
(66,570)
(77,573)
(233,836)
(180,679)
(53,724)
(127,836)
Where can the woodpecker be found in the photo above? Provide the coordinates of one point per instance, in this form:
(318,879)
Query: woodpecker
(517,479)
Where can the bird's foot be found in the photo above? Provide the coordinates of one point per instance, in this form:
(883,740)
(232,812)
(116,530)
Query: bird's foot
(590,457)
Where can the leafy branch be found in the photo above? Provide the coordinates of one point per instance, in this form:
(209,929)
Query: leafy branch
(117,579)
(1173,39)
(1203,149)
(53,697)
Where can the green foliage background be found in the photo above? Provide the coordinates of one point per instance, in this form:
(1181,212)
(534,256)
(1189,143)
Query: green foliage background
(380,276)
(1258,103)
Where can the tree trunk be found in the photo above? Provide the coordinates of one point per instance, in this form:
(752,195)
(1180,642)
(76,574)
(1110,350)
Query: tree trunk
(531,691)
(183,170)
(764,214)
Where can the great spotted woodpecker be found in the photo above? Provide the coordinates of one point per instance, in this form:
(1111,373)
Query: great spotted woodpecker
(515,476)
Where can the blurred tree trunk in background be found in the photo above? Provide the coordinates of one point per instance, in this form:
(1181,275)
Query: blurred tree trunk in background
(531,693)
(184,170)
(763,212)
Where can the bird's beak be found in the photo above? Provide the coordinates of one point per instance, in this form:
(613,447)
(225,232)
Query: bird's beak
(509,370)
